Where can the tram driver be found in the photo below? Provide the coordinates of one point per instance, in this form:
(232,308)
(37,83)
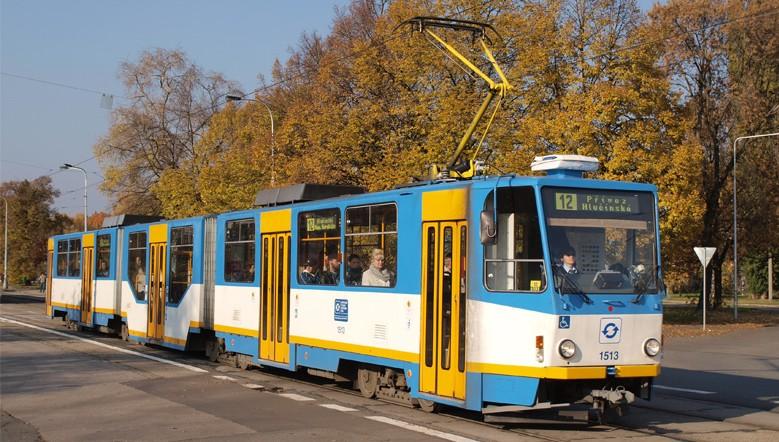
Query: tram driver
(568,261)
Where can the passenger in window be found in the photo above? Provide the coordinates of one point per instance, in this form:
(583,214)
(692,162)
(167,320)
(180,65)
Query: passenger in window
(354,271)
(250,275)
(139,281)
(307,276)
(332,275)
(377,275)
(448,274)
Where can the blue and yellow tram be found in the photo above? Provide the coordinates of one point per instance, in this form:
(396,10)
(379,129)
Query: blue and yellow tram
(493,294)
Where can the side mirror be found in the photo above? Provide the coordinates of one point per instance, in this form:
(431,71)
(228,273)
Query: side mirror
(487,229)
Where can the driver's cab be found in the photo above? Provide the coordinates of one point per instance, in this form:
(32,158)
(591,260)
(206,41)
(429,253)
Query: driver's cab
(601,241)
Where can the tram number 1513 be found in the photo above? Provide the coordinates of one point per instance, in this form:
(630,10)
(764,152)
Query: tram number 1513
(609,355)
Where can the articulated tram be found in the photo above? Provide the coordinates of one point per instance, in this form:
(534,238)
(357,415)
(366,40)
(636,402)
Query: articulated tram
(494,294)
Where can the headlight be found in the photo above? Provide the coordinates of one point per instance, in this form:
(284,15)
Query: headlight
(567,349)
(652,347)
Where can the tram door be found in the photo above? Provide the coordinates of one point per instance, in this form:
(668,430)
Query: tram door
(156,290)
(442,351)
(87,277)
(49,270)
(274,324)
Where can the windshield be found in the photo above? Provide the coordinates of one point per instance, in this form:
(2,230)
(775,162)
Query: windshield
(601,241)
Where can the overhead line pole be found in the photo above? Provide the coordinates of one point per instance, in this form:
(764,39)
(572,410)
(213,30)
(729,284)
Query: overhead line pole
(5,248)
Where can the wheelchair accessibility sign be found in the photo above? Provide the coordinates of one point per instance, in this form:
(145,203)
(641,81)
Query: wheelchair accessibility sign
(610,331)
(564,322)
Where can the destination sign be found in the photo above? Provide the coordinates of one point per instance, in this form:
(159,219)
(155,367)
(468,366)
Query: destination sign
(321,223)
(597,203)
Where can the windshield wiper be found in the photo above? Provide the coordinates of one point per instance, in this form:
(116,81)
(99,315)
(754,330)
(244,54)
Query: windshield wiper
(639,294)
(573,285)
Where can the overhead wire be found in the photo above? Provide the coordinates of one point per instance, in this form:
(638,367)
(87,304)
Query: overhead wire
(60,84)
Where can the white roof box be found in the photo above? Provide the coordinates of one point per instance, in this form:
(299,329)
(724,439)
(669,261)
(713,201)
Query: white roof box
(579,163)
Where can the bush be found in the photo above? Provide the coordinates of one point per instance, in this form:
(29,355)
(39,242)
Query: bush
(756,273)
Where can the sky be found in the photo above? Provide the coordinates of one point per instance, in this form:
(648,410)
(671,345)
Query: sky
(80,44)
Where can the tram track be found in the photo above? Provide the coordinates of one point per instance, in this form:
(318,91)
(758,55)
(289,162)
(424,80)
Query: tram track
(304,378)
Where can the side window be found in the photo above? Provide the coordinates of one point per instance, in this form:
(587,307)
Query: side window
(74,257)
(515,262)
(103,255)
(319,247)
(136,264)
(62,257)
(239,251)
(181,246)
(372,245)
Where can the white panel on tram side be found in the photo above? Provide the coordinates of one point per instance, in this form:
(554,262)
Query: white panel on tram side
(238,307)
(506,336)
(383,320)
(178,319)
(104,290)
(136,311)
(66,291)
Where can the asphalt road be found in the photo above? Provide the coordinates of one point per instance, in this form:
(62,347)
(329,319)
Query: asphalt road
(59,385)
(741,368)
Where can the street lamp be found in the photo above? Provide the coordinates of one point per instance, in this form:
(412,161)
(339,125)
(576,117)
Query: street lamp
(735,226)
(233,97)
(70,166)
(5,248)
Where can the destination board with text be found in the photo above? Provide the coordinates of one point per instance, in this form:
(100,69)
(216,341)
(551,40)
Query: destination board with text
(595,203)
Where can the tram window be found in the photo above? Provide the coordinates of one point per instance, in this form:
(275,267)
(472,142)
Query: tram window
(239,251)
(181,246)
(103,255)
(463,306)
(319,247)
(515,262)
(430,268)
(74,257)
(62,258)
(372,235)
(136,264)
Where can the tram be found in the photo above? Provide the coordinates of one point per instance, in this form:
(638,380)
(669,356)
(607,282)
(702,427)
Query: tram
(497,294)
(477,308)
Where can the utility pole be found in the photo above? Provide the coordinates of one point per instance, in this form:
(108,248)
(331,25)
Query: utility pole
(770,277)
(5,248)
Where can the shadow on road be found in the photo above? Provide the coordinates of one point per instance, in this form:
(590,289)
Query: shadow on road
(8,298)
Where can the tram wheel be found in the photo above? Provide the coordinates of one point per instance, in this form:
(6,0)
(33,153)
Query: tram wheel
(367,382)
(427,406)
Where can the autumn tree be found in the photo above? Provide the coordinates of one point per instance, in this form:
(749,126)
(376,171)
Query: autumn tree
(171,101)
(31,221)
(94,221)
(726,78)
(753,51)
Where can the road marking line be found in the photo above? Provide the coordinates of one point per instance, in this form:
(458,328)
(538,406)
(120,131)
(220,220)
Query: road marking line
(688,390)
(225,378)
(420,429)
(337,407)
(111,347)
(296,397)
(254,386)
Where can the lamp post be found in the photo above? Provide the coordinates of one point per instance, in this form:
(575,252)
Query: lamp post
(735,225)
(233,97)
(5,248)
(70,166)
